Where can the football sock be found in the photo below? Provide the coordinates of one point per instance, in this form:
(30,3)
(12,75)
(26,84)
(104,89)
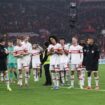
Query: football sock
(2,77)
(53,78)
(67,76)
(26,77)
(72,80)
(34,73)
(62,77)
(11,75)
(97,81)
(15,73)
(57,79)
(20,79)
(7,80)
(89,81)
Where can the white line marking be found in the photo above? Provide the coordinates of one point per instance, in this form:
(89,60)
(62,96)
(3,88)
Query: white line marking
(100,90)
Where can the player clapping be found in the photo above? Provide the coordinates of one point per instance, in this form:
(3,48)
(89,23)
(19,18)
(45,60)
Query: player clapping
(36,63)
(76,59)
(54,50)
(20,52)
(64,62)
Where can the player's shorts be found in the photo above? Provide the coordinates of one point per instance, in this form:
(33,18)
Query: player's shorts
(12,65)
(92,67)
(3,66)
(21,63)
(64,67)
(55,68)
(27,60)
(36,65)
(75,67)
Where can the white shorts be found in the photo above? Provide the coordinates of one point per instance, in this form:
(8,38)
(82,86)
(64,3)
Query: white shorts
(27,60)
(21,63)
(74,67)
(64,67)
(55,68)
(36,65)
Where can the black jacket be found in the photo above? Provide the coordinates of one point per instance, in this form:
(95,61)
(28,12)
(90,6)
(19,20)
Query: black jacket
(3,55)
(3,58)
(45,57)
(91,55)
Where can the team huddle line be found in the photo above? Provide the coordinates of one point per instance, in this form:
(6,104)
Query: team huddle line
(60,61)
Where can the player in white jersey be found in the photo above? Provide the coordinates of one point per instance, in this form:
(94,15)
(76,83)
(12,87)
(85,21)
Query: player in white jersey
(76,59)
(28,47)
(27,58)
(54,50)
(64,62)
(83,44)
(19,53)
(36,63)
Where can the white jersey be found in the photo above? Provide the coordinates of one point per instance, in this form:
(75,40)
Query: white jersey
(76,54)
(20,61)
(19,50)
(36,56)
(64,59)
(27,47)
(54,58)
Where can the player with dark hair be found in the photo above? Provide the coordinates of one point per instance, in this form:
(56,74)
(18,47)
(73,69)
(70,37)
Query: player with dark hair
(54,38)
(54,50)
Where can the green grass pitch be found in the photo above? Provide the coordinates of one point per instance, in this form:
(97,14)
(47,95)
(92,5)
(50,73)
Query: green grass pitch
(37,94)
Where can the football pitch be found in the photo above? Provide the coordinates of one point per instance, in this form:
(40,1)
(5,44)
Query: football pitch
(37,94)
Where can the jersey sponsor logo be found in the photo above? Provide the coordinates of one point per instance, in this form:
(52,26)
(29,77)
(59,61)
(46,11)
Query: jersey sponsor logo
(34,54)
(75,51)
(19,51)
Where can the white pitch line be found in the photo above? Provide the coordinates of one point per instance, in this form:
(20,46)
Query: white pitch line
(100,90)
